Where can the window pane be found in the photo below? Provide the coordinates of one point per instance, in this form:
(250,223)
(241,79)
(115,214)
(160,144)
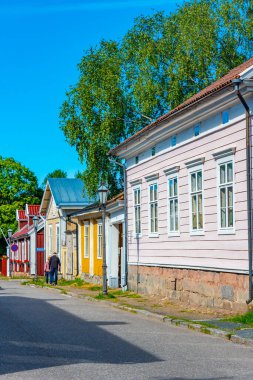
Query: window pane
(200,212)
(151,193)
(199,181)
(193,182)
(152,224)
(139,220)
(223,197)
(196,130)
(225,117)
(175,186)
(194,212)
(222,174)
(223,217)
(230,217)
(230,172)
(155,192)
(171,188)
(174,141)
(176,215)
(172,215)
(230,196)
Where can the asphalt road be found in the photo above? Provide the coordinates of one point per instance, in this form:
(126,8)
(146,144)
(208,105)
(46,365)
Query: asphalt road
(46,335)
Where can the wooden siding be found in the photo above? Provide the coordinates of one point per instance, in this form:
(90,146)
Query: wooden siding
(212,250)
(97,261)
(85,260)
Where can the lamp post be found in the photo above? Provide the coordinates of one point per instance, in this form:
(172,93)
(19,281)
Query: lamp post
(9,249)
(102,192)
(35,225)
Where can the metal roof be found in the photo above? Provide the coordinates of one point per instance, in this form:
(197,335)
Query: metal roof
(20,215)
(68,191)
(32,210)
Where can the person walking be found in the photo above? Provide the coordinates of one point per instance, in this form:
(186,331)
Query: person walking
(55,266)
(47,269)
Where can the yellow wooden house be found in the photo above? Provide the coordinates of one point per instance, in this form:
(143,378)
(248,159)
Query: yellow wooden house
(91,241)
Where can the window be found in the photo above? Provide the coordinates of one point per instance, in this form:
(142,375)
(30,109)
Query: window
(225,117)
(153,151)
(196,199)
(173,204)
(196,130)
(226,195)
(137,210)
(136,159)
(153,208)
(100,240)
(86,240)
(57,238)
(50,239)
(174,141)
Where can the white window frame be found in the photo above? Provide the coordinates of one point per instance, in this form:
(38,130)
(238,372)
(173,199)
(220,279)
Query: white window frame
(153,233)
(135,188)
(170,177)
(86,240)
(100,240)
(57,238)
(50,239)
(191,170)
(221,161)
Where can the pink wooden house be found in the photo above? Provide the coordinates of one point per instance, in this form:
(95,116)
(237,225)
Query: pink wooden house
(189,197)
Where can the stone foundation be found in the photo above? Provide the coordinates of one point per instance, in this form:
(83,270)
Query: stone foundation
(93,279)
(195,287)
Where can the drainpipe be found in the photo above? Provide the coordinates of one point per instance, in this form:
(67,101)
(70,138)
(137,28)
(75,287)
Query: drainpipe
(77,241)
(237,83)
(125,219)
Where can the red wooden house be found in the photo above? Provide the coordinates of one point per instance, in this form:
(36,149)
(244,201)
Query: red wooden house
(23,260)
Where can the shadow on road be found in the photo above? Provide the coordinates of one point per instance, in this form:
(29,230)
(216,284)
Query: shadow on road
(35,334)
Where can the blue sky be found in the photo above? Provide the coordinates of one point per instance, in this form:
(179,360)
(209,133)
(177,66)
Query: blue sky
(42,42)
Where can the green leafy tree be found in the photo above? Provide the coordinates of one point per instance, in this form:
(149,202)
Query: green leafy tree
(93,114)
(18,186)
(57,173)
(161,61)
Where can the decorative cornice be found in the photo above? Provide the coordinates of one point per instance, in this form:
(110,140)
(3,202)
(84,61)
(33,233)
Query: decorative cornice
(224,153)
(173,170)
(135,182)
(197,161)
(152,177)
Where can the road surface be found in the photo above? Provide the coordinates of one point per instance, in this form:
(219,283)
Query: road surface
(47,335)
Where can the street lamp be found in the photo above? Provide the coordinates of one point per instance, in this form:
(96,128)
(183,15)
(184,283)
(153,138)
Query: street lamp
(102,192)
(35,225)
(9,249)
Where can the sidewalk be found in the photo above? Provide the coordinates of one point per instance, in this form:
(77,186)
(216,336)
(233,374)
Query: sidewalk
(208,321)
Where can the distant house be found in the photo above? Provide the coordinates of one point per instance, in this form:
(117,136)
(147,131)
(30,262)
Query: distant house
(189,192)
(62,197)
(23,260)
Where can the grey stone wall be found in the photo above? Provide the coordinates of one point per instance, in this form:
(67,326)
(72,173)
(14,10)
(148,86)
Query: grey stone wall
(195,287)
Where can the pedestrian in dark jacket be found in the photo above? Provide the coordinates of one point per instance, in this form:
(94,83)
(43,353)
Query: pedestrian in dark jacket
(55,266)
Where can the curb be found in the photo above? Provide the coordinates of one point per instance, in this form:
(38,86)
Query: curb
(177,322)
